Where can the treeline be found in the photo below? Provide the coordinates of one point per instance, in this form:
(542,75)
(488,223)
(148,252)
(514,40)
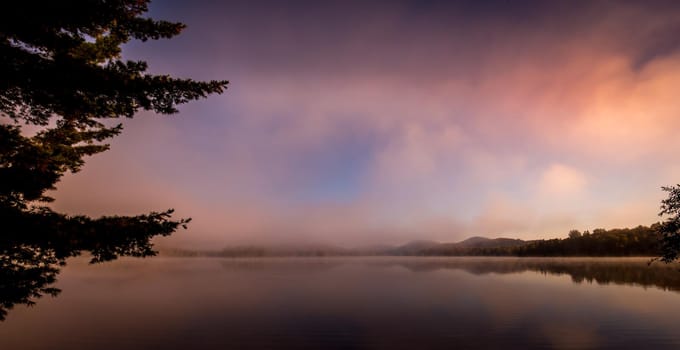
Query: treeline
(638,241)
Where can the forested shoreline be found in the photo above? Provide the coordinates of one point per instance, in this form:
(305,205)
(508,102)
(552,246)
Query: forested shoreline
(638,241)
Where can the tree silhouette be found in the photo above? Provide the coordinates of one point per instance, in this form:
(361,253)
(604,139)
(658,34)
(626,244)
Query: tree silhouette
(670,229)
(61,71)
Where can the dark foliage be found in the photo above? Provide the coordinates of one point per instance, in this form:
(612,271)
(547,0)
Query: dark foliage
(670,229)
(61,71)
(638,241)
(26,273)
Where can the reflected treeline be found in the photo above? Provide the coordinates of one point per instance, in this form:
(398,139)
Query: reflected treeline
(634,271)
(623,271)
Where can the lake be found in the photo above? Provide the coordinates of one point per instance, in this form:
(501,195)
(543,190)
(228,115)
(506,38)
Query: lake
(354,303)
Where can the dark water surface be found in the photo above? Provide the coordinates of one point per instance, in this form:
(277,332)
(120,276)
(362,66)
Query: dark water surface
(355,303)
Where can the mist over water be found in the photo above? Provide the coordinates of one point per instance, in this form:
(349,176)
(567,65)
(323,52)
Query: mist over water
(355,303)
(369,180)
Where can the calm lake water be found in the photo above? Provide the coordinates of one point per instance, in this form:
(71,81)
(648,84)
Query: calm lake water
(354,303)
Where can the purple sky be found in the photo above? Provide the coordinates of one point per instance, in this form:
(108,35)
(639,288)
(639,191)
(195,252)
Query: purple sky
(351,123)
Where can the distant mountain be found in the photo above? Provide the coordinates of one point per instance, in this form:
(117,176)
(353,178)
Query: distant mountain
(281,250)
(370,250)
(638,241)
(435,248)
(413,247)
(420,247)
(483,242)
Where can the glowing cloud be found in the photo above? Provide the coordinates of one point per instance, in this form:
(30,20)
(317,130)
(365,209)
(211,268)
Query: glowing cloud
(560,180)
(353,123)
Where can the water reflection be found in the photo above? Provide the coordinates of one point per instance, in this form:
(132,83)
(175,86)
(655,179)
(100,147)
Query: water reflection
(626,271)
(27,273)
(623,271)
(355,303)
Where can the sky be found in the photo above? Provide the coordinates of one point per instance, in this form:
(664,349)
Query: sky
(356,122)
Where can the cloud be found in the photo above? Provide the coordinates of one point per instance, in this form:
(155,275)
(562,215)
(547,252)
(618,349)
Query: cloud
(394,125)
(560,180)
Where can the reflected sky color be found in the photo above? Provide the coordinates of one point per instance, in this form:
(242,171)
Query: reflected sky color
(371,303)
(354,123)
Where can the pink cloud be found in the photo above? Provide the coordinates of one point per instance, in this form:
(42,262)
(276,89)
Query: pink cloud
(528,133)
